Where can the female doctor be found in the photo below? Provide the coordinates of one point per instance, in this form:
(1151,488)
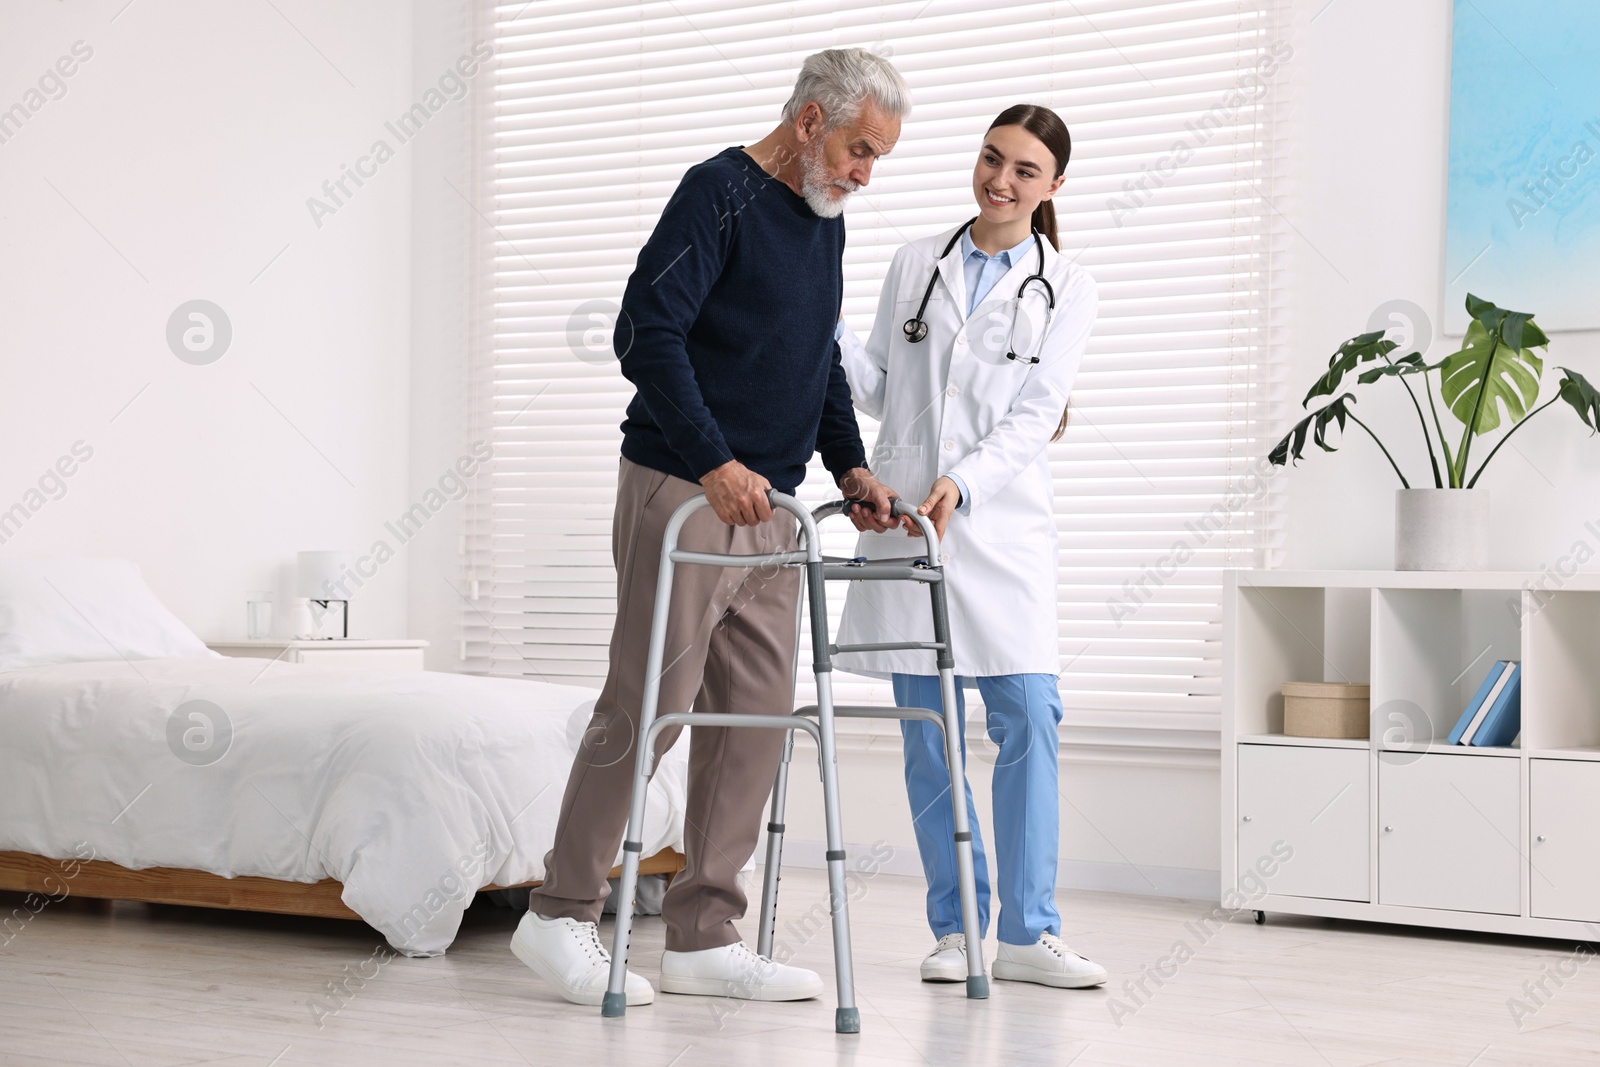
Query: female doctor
(978,337)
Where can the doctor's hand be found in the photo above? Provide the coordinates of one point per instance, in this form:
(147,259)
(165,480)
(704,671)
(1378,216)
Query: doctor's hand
(942,501)
(738,494)
(860,484)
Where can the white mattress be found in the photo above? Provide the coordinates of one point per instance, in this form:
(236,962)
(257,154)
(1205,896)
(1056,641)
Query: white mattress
(392,782)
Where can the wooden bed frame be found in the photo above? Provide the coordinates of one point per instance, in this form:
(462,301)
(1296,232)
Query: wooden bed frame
(27,873)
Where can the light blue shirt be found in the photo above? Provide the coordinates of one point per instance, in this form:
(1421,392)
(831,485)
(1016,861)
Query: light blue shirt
(983,270)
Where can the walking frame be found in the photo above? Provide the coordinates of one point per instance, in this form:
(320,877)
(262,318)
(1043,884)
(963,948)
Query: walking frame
(816,720)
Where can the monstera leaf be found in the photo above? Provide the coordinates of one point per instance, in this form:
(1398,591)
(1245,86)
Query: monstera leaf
(1315,425)
(1492,370)
(1576,390)
(1515,328)
(1363,348)
(1408,364)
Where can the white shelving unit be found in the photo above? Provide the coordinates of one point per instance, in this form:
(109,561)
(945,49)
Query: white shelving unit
(1402,827)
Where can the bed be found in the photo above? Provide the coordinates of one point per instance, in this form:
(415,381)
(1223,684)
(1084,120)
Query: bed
(167,773)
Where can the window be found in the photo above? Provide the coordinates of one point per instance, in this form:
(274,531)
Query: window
(596,109)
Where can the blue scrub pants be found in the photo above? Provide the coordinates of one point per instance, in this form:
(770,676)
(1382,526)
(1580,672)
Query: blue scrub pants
(1023,712)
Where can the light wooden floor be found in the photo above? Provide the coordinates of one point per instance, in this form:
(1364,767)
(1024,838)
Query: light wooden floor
(137,986)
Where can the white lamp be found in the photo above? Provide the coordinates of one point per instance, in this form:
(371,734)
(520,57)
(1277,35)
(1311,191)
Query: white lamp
(324,579)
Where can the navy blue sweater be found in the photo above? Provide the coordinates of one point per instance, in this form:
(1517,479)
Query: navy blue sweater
(727,332)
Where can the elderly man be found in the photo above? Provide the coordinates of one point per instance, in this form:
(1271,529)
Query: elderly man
(727,334)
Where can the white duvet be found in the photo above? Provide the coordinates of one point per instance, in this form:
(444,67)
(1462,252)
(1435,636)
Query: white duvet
(413,789)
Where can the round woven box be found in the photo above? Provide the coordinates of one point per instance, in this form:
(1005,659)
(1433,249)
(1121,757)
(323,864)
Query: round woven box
(1326,709)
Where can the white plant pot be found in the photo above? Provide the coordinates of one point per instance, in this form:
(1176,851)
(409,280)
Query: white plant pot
(1441,529)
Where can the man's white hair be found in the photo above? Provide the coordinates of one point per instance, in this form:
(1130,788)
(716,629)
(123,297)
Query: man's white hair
(841,80)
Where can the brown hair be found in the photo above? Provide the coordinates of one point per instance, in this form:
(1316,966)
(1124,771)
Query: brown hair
(1048,127)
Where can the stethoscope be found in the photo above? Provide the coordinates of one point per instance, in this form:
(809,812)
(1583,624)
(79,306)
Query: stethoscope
(916,328)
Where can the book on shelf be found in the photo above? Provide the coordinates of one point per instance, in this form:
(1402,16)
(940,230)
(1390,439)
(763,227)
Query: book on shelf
(1503,722)
(1483,710)
(1480,703)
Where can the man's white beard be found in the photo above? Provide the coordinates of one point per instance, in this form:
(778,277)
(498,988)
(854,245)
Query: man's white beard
(815,184)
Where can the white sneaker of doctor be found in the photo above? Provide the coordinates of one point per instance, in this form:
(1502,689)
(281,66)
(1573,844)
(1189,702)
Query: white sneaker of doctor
(734,971)
(948,960)
(1047,961)
(568,954)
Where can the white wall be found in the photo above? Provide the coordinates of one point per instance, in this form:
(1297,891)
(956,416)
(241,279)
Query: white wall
(177,165)
(444,229)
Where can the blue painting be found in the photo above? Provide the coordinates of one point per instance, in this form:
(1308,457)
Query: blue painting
(1523,220)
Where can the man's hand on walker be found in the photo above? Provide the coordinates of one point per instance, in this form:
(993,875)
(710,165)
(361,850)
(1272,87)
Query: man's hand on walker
(859,484)
(942,501)
(738,494)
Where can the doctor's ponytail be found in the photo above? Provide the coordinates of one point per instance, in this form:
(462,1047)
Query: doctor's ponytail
(1048,127)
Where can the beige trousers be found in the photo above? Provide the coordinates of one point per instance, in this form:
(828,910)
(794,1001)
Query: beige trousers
(729,648)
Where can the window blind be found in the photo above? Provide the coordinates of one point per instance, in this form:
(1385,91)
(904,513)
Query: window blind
(597,107)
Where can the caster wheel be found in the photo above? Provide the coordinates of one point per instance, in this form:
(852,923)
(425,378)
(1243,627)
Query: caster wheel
(1261,918)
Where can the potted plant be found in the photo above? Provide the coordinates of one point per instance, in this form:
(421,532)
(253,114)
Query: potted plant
(1493,379)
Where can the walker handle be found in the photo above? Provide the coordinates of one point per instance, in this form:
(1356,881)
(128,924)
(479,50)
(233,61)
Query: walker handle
(898,506)
(930,536)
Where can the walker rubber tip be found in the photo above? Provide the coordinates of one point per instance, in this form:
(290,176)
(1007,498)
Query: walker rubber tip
(977,987)
(847,1020)
(614,1005)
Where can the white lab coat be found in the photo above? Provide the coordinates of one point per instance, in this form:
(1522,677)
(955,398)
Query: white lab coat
(954,403)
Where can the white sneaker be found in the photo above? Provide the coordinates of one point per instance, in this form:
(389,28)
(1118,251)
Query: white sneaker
(948,960)
(735,971)
(568,954)
(1047,961)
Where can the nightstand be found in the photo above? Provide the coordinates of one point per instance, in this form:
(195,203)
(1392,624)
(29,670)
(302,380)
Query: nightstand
(352,652)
